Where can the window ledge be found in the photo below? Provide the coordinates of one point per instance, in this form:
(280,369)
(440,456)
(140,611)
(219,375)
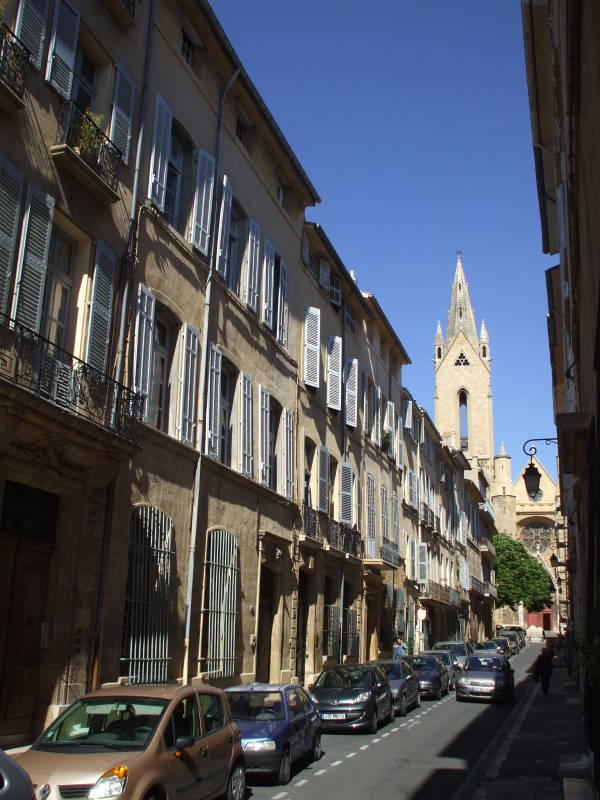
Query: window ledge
(232,475)
(73,163)
(120,13)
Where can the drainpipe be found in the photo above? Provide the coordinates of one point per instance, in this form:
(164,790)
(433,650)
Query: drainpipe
(201,397)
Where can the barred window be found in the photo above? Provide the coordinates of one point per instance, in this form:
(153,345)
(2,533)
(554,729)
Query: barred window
(222,574)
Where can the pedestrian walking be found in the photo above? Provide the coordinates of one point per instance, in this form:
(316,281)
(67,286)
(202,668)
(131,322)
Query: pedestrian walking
(400,648)
(542,669)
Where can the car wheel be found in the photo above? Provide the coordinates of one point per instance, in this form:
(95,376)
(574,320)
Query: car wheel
(438,694)
(236,785)
(374,722)
(316,751)
(402,711)
(285,767)
(418,703)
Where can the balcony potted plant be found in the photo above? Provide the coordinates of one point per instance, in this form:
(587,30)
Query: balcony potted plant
(87,139)
(386,441)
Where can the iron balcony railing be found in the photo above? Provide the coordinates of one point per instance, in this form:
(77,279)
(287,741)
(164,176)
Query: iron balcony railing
(45,370)
(490,589)
(14,58)
(435,591)
(333,534)
(390,552)
(352,543)
(78,130)
(310,523)
(477,585)
(487,546)
(454,596)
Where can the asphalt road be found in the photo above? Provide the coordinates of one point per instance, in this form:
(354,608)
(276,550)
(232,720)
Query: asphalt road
(427,754)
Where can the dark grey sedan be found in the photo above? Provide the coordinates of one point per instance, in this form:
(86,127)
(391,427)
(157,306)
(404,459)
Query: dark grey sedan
(352,696)
(432,675)
(403,682)
(486,678)
(445,656)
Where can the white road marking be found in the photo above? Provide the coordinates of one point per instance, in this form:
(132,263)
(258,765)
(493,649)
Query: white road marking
(302,782)
(279,795)
(383,735)
(348,755)
(403,724)
(394,729)
(318,772)
(337,763)
(376,740)
(365,747)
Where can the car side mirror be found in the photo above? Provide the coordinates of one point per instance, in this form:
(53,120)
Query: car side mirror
(184,742)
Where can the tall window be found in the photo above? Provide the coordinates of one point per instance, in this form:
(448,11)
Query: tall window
(222,573)
(174,175)
(59,281)
(85,81)
(160,396)
(228,384)
(463,420)
(274,465)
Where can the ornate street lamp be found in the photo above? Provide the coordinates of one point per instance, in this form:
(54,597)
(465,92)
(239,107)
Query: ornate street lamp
(532,475)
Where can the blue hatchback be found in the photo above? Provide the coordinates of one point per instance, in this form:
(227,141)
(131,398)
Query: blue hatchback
(279,723)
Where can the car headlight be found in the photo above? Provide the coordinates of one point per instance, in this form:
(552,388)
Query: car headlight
(461,682)
(314,698)
(395,693)
(259,745)
(360,698)
(111,784)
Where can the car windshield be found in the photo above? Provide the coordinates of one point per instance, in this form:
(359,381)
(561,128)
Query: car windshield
(456,648)
(487,646)
(444,657)
(111,723)
(392,669)
(423,662)
(485,664)
(501,642)
(254,705)
(343,678)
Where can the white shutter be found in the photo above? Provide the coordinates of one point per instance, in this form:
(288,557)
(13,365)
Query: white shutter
(422,562)
(352,392)
(324,273)
(252,265)
(31,28)
(11,190)
(408,414)
(187,424)
(334,372)
(323,479)
(33,258)
(144,346)
(205,179)
(371,512)
(224,227)
(305,250)
(359,500)
(390,419)
(399,443)
(213,401)
(63,48)
(161,151)
(101,307)
(312,346)
(366,402)
(288,453)
(267,283)
(263,436)
(395,520)
(377,415)
(246,426)
(413,558)
(122,112)
(384,512)
(346,505)
(282,307)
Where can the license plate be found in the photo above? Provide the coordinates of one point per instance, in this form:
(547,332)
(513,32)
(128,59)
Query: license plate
(333,716)
(481,689)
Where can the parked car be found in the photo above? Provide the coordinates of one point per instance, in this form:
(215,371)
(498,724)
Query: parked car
(278,723)
(15,783)
(515,642)
(460,650)
(432,675)
(486,677)
(403,682)
(503,642)
(139,742)
(445,656)
(491,646)
(352,696)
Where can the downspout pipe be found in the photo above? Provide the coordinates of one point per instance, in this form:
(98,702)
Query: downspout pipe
(202,392)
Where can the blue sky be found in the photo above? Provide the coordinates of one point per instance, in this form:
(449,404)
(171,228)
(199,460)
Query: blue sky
(412,121)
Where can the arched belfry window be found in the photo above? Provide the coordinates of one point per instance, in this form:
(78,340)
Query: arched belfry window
(462,360)
(484,349)
(463,419)
(439,352)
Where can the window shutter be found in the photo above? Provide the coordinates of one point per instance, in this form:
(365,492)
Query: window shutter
(252,271)
(422,563)
(246,426)
(352,392)
(263,436)
(11,190)
(33,258)
(282,308)
(161,150)
(334,372)
(390,425)
(335,290)
(371,512)
(267,283)
(399,443)
(144,345)
(366,402)
(324,273)
(395,520)
(189,382)
(288,453)
(122,113)
(359,501)
(305,250)
(101,307)
(346,505)
(213,411)
(422,431)
(377,415)
(312,346)
(31,28)
(413,558)
(205,178)
(384,513)
(323,479)
(408,415)
(224,227)
(63,48)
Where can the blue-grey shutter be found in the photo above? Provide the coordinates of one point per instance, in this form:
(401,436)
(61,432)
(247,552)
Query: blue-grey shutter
(224,227)
(323,499)
(282,306)
(213,415)
(188,385)
(144,345)
(161,150)
(205,179)
(11,190)
(101,307)
(252,270)
(288,453)
(63,48)
(122,113)
(267,283)
(334,372)
(246,455)
(263,436)
(346,504)
(31,28)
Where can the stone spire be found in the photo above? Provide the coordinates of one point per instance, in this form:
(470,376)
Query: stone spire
(460,313)
(483,334)
(439,339)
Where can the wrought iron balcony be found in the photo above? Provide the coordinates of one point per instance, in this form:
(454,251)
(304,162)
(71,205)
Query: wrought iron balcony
(14,58)
(477,585)
(333,534)
(454,596)
(390,552)
(490,589)
(310,523)
(123,11)
(352,541)
(35,364)
(487,547)
(435,591)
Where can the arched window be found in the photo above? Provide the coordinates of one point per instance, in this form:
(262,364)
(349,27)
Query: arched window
(439,352)
(484,351)
(463,420)
(537,537)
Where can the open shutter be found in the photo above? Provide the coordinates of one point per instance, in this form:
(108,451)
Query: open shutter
(312,346)
(384,512)
(324,273)
(390,420)
(31,28)
(395,520)
(422,562)
(213,411)
(413,558)
(263,436)
(282,307)
(288,453)
(63,48)
(408,414)
(101,307)
(323,479)
(377,415)
(366,402)
(187,424)
(334,372)
(352,392)
(33,258)
(359,502)
(246,425)
(161,150)
(346,506)
(399,443)
(224,227)
(144,346)
(11,190)
(267,283)
(122,113)
(252,270)
(205,179)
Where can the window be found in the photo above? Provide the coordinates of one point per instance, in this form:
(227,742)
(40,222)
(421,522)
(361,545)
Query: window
(85,81)
(346,488)
(59,282)
(463,420)
(462,360)
(439,352)
(184,721)
(350,320)
(335,291)
(323,480)
(228,386)
(274,461)
(484,351)
(370,516)
(62,52)
(241,131)
(173,187)
(309,460)
(222,575)
(187,48)
(305,250)
(233,253)
(385,520)
(213,712)
(160,393)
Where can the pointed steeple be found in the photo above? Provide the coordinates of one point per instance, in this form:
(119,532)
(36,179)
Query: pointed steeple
(439,338)
(460,313)
(502,450)
(483,334)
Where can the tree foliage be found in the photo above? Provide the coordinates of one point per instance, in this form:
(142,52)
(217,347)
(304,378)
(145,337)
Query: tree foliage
(520,577)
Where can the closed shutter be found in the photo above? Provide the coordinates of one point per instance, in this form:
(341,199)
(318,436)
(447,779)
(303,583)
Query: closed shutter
(213,411)
(395,520)
(323,479)
(399,443)
(371,524)
(33,258)
(101,307)
(205,179)
(305,250)
(11,190)
(187,425)
(161,150)
(252,265)
(384,513)
(346,478)
(63,48)
(334,372)
(366,402)
(122,113)
(413,558)
(267,283)
(422,563)
(246,459)
(144,346)
(324,274)
(359,502)
(352,392)
(31,28)
(263,436)
(282,307)
(224,227)
(312,346)
(288,453)
(377,415)
(408,414)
